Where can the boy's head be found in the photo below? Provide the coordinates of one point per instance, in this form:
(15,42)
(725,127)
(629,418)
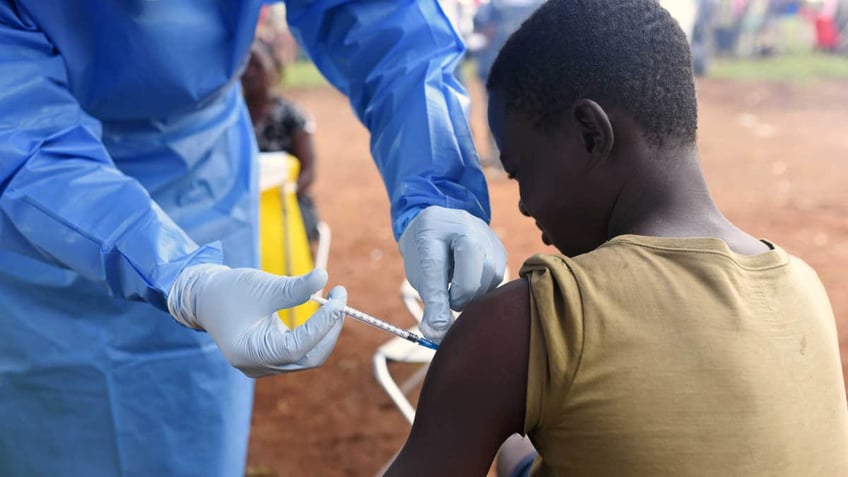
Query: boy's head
(577,94)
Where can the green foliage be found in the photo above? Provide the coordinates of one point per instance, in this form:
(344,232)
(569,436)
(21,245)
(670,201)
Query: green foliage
(302,74)
(806,68)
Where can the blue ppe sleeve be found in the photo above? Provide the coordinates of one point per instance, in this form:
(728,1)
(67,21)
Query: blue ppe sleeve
(395,60)
(62,200)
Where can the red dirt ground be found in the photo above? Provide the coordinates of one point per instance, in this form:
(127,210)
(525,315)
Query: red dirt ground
(776,159)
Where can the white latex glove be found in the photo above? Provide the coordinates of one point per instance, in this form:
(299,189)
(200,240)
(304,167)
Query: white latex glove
(449,246)
(238,308)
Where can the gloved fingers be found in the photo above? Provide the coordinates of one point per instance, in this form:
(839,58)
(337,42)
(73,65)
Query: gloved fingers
(287,292)
(293,346)
(319,354)
(497,262)
(436,333)
(487,280)
(469,272)
(494,266)
(431,281)
(315,357)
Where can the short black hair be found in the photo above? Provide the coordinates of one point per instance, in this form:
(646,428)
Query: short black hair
(626,53)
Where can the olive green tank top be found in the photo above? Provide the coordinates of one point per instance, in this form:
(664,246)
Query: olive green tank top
(677,357)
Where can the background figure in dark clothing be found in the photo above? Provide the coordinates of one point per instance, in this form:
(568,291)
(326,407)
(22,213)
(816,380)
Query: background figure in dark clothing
(281,125)
(496,21)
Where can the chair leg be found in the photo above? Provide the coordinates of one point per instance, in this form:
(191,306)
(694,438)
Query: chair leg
(381,371)
(388,464)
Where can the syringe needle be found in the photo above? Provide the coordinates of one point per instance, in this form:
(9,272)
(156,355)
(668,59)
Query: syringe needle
(380,324)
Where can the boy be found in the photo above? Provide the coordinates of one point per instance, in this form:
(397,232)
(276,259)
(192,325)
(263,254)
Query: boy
(664,340)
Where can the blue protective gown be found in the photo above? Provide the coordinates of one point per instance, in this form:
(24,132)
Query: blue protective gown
(126,154)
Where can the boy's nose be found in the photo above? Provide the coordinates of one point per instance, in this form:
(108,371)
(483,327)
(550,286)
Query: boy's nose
(523,209)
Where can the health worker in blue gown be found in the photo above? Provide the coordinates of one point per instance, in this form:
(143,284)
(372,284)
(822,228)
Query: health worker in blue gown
(128,219)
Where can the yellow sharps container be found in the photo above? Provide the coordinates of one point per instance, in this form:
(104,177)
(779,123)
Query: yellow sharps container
(283,246)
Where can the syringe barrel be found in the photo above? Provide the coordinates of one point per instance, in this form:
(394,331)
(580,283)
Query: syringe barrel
(376,322)
(368,319)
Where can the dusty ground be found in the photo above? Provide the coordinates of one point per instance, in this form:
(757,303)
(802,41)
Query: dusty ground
(776,158)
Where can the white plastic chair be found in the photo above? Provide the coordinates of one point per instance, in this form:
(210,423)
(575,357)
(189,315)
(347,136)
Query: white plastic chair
(399,350)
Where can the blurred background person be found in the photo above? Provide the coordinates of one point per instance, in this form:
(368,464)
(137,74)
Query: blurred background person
(461,15)
(840,18)
(830,18)
(753,39)
(494,22)
(281,125)
(272,29)
(701,40)
(726,17)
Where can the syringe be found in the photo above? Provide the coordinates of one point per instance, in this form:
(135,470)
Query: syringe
(378,323)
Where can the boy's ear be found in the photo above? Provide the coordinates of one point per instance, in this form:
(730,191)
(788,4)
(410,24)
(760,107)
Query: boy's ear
(595,128)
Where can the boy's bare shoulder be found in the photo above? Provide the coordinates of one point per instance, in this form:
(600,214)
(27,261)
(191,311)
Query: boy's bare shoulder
(505,297)
(474,395)
(499,315)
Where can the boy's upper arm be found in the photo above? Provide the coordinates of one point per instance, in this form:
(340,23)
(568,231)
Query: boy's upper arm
(474,394)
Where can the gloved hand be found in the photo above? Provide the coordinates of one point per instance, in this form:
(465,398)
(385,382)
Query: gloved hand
(442,246)
(238,308)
